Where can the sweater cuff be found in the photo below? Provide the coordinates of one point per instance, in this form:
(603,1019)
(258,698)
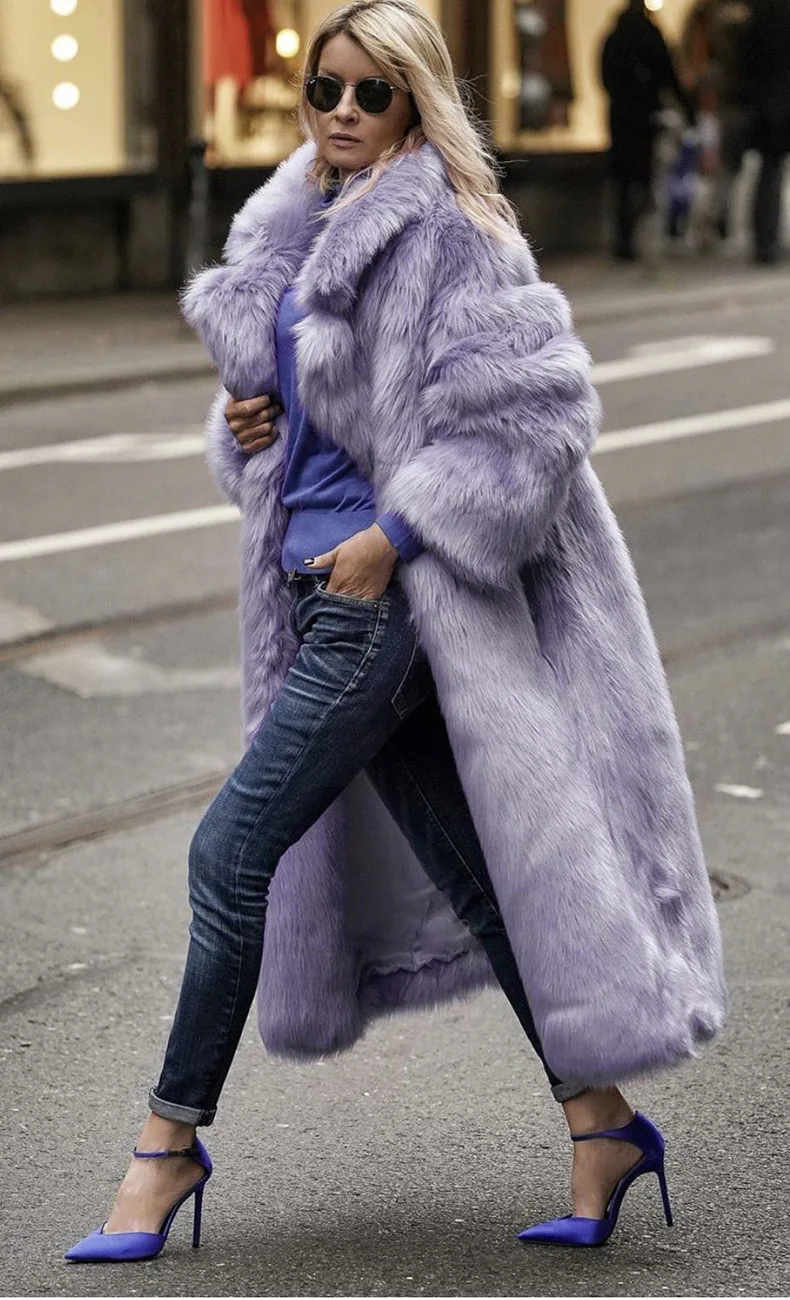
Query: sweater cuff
(398,532)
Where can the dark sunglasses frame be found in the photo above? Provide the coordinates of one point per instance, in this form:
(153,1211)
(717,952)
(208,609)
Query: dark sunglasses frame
(338,89)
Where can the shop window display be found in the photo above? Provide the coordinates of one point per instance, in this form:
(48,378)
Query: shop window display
(253,52)
(545,91)
(76,88)
(545,86)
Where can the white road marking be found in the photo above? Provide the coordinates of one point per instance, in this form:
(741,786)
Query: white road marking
(674,355)
(743,417)
(128,530)
(692,426)
(93,672)
(168,446)
(784,730)
(740,791)
(659,358)
(114,448)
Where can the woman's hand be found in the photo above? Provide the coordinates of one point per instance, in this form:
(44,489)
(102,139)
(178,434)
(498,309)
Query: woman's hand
(362,566)
(252,422)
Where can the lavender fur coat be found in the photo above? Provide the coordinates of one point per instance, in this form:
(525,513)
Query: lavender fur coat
(452,376)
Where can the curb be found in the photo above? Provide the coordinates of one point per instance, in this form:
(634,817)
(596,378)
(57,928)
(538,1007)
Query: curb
(42,390)
(595,310)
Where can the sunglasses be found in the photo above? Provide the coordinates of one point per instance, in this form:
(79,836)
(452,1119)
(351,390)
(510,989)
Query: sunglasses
(374,95)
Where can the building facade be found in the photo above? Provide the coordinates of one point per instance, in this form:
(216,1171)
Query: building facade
(103,103)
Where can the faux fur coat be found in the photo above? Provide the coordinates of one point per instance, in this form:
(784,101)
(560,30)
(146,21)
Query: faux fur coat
(434,355)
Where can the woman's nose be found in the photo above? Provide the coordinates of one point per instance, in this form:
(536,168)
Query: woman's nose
(348,103)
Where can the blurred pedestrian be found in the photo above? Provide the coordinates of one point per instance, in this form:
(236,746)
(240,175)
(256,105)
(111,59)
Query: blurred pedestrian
(436,595)
(636,70)
(713,53)
(766,72)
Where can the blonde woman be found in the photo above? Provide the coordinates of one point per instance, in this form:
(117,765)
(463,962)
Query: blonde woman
(463,768)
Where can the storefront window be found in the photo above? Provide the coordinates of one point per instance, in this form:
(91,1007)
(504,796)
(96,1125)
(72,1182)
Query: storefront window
(75,88)
(252,55)
(545,55)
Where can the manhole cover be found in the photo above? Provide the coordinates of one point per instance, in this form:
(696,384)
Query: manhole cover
(726,888)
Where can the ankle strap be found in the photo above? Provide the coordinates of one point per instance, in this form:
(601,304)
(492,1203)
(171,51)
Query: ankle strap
(161,1155)
(621,1134)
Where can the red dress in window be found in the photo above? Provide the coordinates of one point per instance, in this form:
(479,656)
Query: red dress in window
(238,40)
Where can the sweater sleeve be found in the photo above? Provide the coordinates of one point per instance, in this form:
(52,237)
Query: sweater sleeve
(510,416)
(402,537)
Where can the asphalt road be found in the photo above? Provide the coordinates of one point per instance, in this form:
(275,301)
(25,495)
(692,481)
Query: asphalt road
(407,1167)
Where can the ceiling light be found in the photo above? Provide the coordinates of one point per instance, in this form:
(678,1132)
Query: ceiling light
(66,95)
(63,8)
(65,48)
(287,43)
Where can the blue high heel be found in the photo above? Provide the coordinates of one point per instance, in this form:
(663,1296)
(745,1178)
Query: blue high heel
(576,1231)
(116,1247)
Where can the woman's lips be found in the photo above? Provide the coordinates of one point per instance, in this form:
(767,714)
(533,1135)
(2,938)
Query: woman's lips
(342,143)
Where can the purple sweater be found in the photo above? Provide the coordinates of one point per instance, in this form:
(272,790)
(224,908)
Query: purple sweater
(328,498)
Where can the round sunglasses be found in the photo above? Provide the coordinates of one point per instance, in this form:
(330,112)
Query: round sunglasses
(374,95)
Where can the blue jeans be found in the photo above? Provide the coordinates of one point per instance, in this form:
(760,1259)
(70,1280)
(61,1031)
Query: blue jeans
(359,696)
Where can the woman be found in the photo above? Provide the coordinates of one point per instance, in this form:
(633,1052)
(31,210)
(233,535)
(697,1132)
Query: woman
(435,600)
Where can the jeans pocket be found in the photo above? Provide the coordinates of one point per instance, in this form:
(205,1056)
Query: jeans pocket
(364,602)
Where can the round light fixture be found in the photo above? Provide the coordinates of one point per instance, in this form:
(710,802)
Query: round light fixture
(654,5)
(63,8)
(65,48)
(287,43)
(66,95)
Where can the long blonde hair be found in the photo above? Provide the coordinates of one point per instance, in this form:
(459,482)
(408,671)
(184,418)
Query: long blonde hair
(410,49)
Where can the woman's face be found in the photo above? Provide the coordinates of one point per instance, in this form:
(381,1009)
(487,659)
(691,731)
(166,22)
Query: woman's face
(343,59)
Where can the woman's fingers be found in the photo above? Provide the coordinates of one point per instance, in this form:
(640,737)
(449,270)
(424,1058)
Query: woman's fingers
(252,442)
(243,432)
(248,408)
(252,415)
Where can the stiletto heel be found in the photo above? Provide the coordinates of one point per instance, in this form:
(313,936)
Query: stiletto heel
(118,1247)
(198,1217)
(576,1231)
(662,1180)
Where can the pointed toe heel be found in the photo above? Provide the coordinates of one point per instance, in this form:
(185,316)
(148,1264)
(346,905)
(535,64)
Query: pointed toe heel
(122,1247)
(576,1231)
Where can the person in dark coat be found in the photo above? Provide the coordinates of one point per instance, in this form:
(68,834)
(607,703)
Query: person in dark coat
(766,74)
(636,70)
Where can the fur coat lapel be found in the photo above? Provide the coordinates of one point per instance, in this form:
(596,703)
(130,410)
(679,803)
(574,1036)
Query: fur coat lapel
(453,377)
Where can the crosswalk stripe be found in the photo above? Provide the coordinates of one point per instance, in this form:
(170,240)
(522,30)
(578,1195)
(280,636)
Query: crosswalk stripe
(743,417)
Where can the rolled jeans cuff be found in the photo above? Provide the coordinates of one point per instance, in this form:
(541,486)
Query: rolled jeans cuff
(567,1091)
(181,1114)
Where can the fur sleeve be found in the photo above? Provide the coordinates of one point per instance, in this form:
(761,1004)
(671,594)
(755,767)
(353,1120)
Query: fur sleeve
(233,307)
(225,458)
(510,416)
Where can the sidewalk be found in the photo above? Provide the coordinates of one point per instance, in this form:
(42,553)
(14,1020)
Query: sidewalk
(92,344)
(74,345)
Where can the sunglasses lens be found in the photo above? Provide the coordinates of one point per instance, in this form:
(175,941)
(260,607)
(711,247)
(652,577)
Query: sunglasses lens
(374,95)
(323,93)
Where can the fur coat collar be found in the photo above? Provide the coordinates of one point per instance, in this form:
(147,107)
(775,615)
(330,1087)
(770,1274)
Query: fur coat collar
(452,375)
